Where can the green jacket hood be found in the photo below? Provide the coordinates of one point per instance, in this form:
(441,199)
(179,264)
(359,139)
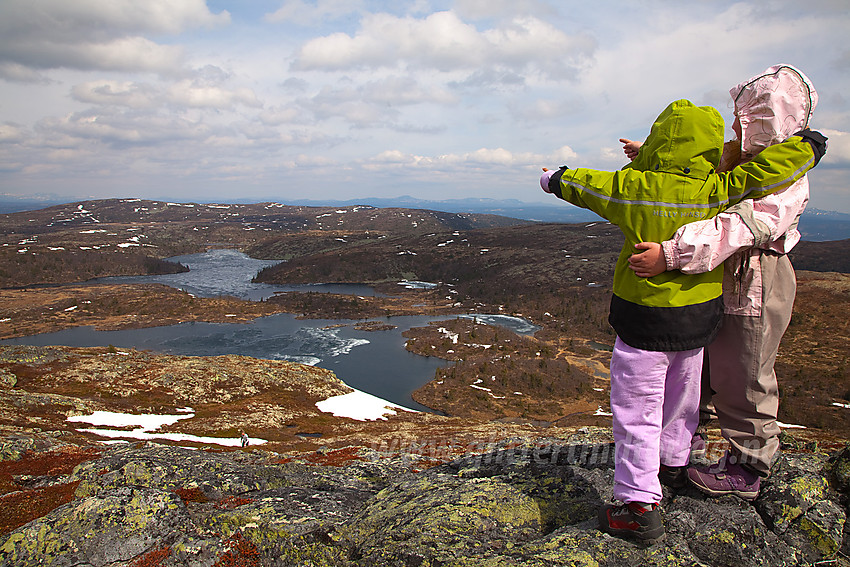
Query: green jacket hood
(685,139)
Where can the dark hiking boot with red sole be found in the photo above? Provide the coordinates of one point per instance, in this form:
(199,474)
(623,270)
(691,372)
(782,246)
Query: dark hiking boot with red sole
(633,520)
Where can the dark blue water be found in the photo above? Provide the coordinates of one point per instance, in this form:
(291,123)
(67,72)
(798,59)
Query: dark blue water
(372,361)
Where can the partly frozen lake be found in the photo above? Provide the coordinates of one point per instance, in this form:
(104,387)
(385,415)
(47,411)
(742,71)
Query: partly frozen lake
(375,362)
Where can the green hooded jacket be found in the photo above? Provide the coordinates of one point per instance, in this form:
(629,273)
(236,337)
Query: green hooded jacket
(670,183)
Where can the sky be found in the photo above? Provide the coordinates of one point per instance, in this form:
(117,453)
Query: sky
(281,100)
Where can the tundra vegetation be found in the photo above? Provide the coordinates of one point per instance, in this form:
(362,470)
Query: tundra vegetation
(509,469)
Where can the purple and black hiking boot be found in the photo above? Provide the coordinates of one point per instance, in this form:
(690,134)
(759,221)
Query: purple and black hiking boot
(635,519)
(725,477)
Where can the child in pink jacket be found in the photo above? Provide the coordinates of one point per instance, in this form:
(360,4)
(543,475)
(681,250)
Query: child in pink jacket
(752,240)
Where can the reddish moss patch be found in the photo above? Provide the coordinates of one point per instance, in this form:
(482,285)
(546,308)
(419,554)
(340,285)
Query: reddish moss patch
(152,558)
(24,506)
(332,458)
(335,458)
(241,553)
(50,464)
(191,495)
(20,505)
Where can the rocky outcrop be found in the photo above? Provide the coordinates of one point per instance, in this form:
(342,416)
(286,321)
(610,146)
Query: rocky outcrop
(521,502)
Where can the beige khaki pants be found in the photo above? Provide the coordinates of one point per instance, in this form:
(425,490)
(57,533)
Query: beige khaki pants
(746,393)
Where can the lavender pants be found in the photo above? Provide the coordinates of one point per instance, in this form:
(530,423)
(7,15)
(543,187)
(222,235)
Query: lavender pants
(655,401)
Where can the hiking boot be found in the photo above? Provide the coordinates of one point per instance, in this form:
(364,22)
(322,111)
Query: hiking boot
(673,477)
(724,477)
(635,519)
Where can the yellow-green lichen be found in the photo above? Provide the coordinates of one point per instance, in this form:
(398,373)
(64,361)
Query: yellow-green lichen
(809,487)
(825,544)
(724,536)
(788,514)
(11,543)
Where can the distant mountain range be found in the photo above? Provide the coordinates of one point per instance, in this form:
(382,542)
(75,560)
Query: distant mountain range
(816,225)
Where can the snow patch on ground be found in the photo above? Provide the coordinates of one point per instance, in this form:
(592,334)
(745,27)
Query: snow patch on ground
(360,406)
(147,426)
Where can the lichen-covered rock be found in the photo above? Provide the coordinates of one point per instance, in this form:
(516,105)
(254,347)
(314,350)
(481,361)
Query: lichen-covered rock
(172,468)
(725,531)
(840,469)
(819,532)
(788,493)
(795,503)
(443,517)
(12,449)
(14,445)
(99,530)
(528,503)
(7,379)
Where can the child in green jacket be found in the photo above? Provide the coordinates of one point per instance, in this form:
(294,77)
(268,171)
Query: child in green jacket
(663,322)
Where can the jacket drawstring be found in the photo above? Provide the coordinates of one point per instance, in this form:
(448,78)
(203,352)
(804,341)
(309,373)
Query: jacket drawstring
(741,272)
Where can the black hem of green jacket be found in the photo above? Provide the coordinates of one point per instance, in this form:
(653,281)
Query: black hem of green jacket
(666,328)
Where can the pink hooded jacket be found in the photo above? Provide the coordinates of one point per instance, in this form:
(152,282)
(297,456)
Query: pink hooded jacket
(770,107)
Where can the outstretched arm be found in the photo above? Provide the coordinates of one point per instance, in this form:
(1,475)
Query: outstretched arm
(774,168)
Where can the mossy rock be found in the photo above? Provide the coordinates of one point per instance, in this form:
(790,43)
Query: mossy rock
(444,518)
(726,531)
(789,492)
(8,380)
(101,530)
(819,533)
(840,469)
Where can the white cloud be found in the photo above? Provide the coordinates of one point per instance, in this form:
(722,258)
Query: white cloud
(347,103)
(482,157)
(548,108)
(10,133)
(63,21)
(405,90)
(128,53)
(378,103)
(119,93)
(457,98)
(19,73)
(187,93)
(121,54)
(442,41)
(117,129)
(97,34)
(562,155)
(191,94)
(278,115)
(745,39)
(487,9)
